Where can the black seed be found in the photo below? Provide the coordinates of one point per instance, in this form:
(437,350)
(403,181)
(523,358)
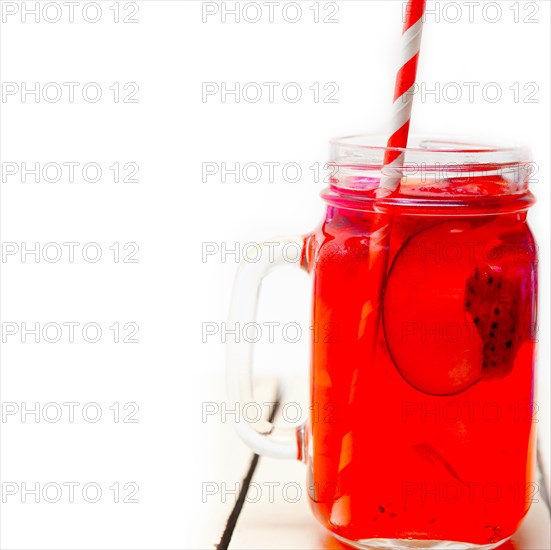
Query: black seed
(498,285)
(468,305)
(490,280)
(509,343)
(492,334)
(471,289)
(494,363)
(381,509)
(496,311)
(493,348)
(494,325)
(476,320)
(512,330)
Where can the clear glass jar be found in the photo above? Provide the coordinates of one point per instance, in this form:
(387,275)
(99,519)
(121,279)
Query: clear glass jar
(422,370)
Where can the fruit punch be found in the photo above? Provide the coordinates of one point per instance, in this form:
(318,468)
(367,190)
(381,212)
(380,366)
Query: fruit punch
(423,368)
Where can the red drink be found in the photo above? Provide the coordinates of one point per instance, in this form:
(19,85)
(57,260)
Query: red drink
(423,364)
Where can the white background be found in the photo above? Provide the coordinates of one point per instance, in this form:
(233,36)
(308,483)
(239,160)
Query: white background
(173,289)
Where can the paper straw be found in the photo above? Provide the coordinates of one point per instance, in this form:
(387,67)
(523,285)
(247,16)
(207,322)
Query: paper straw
(379,241)
(403,98)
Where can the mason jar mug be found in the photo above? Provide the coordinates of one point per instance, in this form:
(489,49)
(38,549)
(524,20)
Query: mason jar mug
(422,429)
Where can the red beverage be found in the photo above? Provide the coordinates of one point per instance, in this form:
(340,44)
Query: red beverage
(423,363)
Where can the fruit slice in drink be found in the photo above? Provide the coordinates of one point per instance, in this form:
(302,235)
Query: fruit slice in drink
(459,302)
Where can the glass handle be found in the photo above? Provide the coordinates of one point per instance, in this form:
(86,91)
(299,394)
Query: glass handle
(261,436)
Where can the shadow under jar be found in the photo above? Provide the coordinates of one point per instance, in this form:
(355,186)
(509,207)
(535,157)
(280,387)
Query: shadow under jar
(422,428)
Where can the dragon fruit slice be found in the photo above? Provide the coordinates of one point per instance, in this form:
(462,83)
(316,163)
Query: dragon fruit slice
(499,299)
(459,303)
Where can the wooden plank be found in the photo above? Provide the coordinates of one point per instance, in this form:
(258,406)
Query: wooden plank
(223,466)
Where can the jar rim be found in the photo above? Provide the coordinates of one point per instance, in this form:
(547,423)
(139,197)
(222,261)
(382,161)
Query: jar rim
(429,146)
(435,174)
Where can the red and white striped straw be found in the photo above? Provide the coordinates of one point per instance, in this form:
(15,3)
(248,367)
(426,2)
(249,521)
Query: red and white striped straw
(403,97)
